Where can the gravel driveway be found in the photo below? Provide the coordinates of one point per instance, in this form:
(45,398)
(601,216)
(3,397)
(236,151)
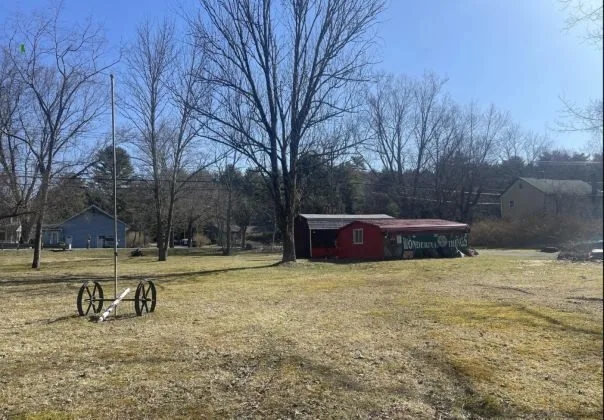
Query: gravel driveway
(520,253)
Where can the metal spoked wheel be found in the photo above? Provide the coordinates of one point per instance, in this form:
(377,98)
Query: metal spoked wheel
(145,297)
(90,297)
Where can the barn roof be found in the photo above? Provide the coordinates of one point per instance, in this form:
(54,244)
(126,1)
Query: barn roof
(417,225)
(336,221)
(558,186)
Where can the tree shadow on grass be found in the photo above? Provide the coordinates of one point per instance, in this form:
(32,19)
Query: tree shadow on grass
(514,289)
(29,281)
(47,321)
(556,323)
(529,317)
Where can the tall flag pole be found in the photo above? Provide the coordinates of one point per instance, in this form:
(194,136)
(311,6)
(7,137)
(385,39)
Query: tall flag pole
(114,193)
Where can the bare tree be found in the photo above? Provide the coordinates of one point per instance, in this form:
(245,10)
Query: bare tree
(279,70)
(390,125)
(165,85)
(482,138)
(527,145)
(429,114)
(448,141)
(227,175)
(19,175)
(588,14)
(589,118)
(61,69)
(533,146)
(512,143)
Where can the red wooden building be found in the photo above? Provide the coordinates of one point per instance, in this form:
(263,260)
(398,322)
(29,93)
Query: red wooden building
(401,238)
(315,234)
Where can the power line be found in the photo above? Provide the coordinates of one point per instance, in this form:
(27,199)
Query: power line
(564,162)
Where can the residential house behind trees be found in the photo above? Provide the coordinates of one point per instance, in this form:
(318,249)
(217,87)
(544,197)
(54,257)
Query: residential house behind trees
(532,196)
(10,231)
(92,224)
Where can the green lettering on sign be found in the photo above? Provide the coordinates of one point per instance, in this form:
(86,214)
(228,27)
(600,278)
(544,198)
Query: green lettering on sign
(435,241)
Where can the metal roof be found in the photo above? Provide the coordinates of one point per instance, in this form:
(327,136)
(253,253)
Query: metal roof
(418,225)
(336,221)
(560,186)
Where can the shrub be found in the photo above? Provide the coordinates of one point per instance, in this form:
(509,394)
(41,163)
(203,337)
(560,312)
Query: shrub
(534,231)
(135,239)
(200,239)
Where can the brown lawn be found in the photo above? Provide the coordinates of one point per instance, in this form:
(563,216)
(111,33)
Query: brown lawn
(493,336)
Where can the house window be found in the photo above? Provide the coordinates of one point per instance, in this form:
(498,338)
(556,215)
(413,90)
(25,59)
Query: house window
(520,185)
(512,204)
(357,236)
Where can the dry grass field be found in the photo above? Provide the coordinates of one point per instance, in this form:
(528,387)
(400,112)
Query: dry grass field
(494,336)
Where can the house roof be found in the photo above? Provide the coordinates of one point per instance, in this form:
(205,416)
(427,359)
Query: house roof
(560,186)
(417,225)
(92,207)
(336,221)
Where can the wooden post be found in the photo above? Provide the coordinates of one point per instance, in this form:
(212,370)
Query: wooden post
(113,305)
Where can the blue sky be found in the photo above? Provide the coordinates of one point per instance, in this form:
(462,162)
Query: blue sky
(512,53)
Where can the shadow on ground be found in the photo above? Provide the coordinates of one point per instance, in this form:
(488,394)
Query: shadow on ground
(32,281)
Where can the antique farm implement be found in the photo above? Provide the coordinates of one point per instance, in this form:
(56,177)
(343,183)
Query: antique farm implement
(90,296)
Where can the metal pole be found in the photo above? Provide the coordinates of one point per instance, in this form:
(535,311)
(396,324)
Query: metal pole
(114,193)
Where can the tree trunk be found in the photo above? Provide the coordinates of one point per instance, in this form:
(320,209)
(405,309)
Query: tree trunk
(26,225)
(227,250)
(243,230)
(190,233)
(169,234)
(41,212)
(162,253)
(274,232)
(37,244)
(289,248)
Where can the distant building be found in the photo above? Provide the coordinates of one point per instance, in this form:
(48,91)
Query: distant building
(92,228)
(532,196)
(401,238)
(10,231)
(315,234)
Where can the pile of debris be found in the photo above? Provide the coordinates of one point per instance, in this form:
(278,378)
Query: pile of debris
(582,251)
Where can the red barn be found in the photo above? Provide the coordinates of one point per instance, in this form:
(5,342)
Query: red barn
(401,238)
(315,234)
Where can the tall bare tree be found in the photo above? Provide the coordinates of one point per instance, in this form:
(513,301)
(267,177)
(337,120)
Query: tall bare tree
(390,124)
(428,117)
(482,137)
(533,146)
(447,143)
(527,145)
(227,178)
(164,87)
(61,68)
(586,14)
(19,177)
(588,119)
(279,70)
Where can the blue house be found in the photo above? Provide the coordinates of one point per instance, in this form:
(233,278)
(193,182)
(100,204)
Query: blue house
(91,228)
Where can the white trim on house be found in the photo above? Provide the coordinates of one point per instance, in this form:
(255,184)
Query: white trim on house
(357,236)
